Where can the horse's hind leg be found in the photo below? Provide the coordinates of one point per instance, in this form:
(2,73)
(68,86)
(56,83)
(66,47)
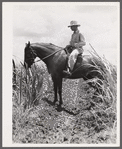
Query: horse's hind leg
(55,91)
(58,87)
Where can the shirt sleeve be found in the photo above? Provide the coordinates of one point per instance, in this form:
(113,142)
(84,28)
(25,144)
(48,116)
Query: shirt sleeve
(81,38)
(71,41)
(81,41)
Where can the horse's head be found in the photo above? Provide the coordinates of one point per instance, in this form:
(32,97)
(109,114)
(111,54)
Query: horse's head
(29,56)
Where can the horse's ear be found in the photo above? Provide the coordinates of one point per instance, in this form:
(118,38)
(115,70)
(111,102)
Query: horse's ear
(28,43)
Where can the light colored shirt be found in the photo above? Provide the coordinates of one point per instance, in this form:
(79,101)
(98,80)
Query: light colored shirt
(77,40)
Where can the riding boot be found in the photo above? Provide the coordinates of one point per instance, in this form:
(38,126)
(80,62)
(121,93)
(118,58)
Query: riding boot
(67,71)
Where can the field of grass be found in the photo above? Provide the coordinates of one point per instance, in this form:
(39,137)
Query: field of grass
(84,119)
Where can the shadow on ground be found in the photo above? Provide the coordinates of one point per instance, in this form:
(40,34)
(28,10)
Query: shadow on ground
(60,109)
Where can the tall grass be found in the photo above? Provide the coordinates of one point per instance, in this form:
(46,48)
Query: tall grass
(26,96)
(29,84)
(108,71)
(14,74)
(98,110)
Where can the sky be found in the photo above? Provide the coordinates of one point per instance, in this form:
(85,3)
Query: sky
(48,22)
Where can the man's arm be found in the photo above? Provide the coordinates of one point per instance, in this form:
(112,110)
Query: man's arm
(81,41)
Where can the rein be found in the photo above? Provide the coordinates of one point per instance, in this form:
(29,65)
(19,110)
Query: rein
(50,54)
(45,56)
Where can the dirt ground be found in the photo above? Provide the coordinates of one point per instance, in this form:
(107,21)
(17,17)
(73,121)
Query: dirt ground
(79,122)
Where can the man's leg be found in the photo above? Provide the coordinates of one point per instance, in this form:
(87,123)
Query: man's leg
(71,62)
(73,58)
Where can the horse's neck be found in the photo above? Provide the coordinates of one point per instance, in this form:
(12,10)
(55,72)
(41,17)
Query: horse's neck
(50,55)
(43,52)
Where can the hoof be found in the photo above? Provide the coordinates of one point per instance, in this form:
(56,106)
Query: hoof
(54,102)
(59,108)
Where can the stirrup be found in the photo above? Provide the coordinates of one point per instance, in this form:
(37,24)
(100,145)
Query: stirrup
(67,72)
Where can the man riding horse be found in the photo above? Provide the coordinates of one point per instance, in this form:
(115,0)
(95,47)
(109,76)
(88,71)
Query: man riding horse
(77,42)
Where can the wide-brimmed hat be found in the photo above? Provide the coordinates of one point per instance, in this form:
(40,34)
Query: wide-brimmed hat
(73,23)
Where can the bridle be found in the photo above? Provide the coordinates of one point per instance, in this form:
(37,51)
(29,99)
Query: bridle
(33,52)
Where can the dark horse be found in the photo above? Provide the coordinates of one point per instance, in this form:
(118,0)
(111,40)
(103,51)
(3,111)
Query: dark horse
(56,60)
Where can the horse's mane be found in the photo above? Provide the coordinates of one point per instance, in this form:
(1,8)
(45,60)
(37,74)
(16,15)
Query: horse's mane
(47,45)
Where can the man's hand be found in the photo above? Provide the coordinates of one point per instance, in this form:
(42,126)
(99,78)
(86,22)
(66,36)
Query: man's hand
(76,45)
(69,48)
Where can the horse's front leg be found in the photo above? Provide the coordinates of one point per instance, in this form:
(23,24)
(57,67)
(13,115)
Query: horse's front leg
(60,91)
(55,92)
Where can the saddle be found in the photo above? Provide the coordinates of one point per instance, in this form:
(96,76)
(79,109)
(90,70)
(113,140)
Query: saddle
(68,49)
(78,61)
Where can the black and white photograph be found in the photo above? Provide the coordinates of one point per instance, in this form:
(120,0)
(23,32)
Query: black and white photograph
(61,83)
